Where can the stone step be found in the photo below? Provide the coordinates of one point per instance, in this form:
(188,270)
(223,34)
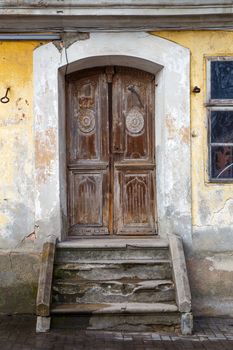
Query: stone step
(114,291)
(118,316)
(105,270)
(105,249)
(114,284)
(113,308)
(114,243)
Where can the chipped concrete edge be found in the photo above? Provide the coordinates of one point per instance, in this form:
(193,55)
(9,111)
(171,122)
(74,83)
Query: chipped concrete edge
(186,323)
(42,324)
(44,285)
(180,277)
(183,294)
(68,39)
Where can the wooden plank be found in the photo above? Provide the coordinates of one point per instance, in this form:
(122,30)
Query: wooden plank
(45,278)
(180,275)
(133,148)
(87,153)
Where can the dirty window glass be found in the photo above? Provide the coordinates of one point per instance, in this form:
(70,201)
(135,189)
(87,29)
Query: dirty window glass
(222,162)
(222,126)
(222,79)
(221,144)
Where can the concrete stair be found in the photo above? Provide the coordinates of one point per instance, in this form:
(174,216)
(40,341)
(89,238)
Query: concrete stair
(116,284)
(112,291)
(117,316)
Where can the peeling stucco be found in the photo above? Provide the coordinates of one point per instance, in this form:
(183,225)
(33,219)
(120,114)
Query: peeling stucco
(173,131)
(45,152)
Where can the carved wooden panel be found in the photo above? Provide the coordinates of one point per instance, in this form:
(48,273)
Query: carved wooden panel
(87,116)
(135,199)
(88,202)
(132,114)
(87,193)
(134,209)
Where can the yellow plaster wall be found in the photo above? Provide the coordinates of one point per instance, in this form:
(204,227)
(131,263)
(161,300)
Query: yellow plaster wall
(212,203)
(16,139)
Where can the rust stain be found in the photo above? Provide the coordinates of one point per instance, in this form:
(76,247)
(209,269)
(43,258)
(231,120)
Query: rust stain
(170,127)
(18,102)
(45,154)
(185,134)
(21,112)
(173,131)
(22,107)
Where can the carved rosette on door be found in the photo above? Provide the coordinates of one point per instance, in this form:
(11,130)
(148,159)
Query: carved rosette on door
(110,152)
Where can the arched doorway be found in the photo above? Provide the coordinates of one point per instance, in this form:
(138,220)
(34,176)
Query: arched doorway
(111,152)
(170,63)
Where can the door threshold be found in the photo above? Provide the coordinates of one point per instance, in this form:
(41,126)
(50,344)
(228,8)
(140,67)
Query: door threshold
(111,243)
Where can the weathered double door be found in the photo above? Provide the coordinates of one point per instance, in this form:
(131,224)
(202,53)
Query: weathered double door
(110,152)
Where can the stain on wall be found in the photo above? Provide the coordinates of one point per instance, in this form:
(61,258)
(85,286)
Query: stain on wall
(45,150)
(19,277)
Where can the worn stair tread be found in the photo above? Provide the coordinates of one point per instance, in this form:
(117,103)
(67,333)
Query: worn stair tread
(114,243)
(87,264)
(76,265)
(116,308)
(142,282)
(139,284)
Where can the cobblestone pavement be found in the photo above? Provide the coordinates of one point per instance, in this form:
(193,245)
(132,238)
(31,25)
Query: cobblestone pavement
(18,333)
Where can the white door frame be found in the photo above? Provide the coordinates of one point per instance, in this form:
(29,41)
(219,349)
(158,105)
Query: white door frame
(170,64)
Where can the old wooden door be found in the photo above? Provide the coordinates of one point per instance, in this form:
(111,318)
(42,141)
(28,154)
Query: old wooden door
(110,152)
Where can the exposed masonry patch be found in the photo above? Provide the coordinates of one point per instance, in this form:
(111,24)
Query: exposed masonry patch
(67,39)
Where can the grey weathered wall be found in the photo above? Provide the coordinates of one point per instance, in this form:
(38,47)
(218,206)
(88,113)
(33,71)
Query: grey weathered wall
(19,272)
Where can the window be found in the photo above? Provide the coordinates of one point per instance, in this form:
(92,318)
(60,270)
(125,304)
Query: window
(220,105)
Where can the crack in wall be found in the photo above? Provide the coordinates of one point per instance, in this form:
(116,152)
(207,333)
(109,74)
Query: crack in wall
(222,208)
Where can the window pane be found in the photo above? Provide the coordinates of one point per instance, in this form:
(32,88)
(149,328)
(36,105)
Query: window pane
(222,126)
(221,79)
(222,162)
